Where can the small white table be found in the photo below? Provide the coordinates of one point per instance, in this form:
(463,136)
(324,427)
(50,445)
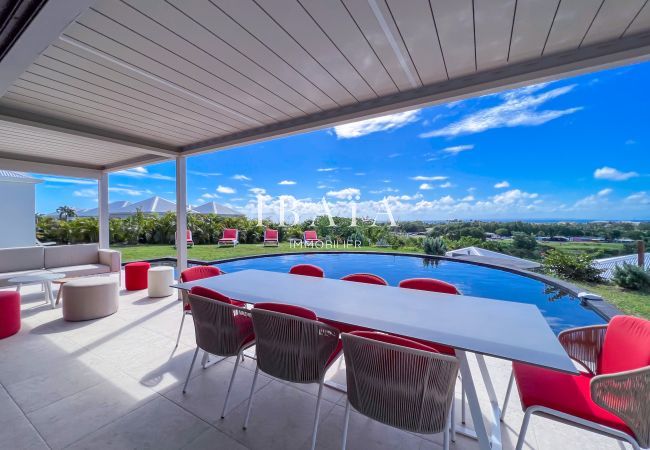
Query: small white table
(45,278)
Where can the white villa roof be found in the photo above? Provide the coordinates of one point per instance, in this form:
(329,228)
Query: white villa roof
(215,208)
(91,85)
(157,205)
(10,176)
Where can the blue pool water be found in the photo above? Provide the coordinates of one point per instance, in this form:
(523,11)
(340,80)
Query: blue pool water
(561,311)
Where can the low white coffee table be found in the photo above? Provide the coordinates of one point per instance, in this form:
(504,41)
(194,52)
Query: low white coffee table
(39,277)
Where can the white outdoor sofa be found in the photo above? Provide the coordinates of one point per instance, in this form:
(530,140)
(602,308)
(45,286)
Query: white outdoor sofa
(72,260)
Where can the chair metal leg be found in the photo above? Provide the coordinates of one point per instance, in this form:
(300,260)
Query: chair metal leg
(187,380)
(446,433)
(315,431)
(232,379)
(508,391)
(204,360)
(345,424)
(524,428)
(250,399)
(462,403)
(180,330)
(453,419)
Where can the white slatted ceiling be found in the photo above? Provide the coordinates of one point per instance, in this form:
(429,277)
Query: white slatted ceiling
(183,72)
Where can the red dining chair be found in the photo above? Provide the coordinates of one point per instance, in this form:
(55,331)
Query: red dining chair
(221,327)
(429,284)
(399,382)
(310,238)
(367,278)
(610,396)
(193,274)
(433,285)
(307,269)
(292,345)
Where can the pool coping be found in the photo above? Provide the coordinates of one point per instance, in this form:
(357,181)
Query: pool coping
(603,308)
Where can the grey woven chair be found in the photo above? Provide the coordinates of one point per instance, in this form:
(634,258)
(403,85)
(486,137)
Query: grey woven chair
(292,348)
(407,388)
(616,359)
(221,329)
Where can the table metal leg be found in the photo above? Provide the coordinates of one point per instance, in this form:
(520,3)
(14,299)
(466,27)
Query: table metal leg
(48,293)
(474,406)
(494,402)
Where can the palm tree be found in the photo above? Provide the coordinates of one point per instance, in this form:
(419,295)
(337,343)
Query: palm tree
(66,212)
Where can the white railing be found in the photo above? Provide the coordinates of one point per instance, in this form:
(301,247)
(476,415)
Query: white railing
(607,265)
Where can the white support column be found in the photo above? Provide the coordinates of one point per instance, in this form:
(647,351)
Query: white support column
(181,212)
(104,234)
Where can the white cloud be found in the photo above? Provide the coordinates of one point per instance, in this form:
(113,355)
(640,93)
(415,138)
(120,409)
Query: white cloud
(203,174)
(426,187)
(130,191)
(384,190)
(143,172)
(209,196)
(609,173)
(468,198)
(225,190)
(384,123)
(287,183)
(513,196)
(604,192)
(240,177)
(433,178)
(257,191)
(347,193)
(394,155)
(456,149)
(446,185)
(326,169)
(639,198)
(519,107)
(69,180)
(359,174)
(502,185)
(86,193)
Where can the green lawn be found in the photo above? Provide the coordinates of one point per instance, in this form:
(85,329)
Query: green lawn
(598,249)
(632,302)
(212,252)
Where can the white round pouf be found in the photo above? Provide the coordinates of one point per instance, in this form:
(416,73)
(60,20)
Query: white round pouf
(160,280)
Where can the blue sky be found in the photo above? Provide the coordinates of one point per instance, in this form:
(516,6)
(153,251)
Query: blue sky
(575,148)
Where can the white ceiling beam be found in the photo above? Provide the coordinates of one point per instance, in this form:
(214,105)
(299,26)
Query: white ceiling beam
(106,138)
(135,162)
(46,27)
(626,50)
(48,168)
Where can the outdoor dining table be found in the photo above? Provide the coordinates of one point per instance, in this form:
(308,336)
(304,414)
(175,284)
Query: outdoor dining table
(502,329)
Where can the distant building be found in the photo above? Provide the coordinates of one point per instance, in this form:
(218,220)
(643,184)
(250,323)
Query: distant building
(158,205)
(17,227)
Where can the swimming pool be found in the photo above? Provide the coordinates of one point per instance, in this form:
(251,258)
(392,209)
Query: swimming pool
(561,310)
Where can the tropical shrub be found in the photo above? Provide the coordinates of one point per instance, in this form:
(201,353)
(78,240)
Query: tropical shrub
(434,246)
(632,277)
(573,267)
(524,241)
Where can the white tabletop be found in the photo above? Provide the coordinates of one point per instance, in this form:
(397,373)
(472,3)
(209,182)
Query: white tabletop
(36,277)
(508,330)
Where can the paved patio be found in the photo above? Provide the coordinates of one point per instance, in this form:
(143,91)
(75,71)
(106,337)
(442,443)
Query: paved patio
(116,383)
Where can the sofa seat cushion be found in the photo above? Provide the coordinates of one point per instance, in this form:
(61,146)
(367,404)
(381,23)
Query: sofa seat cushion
(82,270)
(6,276)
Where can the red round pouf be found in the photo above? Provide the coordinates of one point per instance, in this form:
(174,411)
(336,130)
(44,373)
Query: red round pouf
(9,313)
(136,275)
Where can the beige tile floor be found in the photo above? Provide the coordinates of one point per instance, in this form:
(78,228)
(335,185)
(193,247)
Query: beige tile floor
(115,383)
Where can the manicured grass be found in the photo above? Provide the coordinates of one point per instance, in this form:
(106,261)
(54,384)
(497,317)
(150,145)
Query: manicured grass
(632,302)
(212,252)
(606,248)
